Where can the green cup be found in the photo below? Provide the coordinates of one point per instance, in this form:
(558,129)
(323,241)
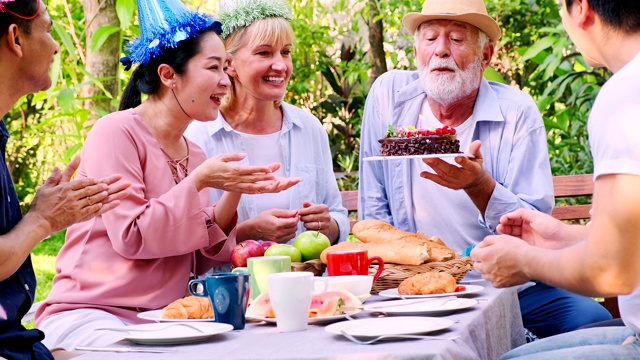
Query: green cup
(260,267)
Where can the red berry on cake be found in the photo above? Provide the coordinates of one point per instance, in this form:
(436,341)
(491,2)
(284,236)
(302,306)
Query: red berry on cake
(413,141)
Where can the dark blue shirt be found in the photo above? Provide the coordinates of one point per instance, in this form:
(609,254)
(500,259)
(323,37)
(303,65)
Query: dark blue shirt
(16,292)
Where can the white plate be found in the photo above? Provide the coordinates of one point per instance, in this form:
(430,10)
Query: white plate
(428,156)
(421,306)
(316,320)
(156,315)
(393,293)
(170,334)
(397,325)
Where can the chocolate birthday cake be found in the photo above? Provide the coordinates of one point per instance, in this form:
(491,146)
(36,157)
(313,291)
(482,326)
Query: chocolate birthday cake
(413,141)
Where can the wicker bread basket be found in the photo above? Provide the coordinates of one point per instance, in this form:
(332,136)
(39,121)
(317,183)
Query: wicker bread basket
(315,266)
(393,274)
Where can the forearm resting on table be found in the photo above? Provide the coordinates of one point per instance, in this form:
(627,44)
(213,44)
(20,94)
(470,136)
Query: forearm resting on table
(18,243)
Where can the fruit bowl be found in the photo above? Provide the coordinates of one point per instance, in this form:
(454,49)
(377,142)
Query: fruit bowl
(315,266)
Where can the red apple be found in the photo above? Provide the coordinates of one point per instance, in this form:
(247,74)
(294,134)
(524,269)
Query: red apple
(266,243)
(244,250)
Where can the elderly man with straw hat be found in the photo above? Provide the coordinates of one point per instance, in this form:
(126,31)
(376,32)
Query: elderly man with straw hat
(462,201)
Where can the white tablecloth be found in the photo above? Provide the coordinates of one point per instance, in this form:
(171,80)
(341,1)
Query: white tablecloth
(486,331)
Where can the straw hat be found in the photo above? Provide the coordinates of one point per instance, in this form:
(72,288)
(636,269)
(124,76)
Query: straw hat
(473,12)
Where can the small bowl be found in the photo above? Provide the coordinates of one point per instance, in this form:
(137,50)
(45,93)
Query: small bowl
(358,285)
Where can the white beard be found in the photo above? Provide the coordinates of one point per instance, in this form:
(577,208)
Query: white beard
(450,87)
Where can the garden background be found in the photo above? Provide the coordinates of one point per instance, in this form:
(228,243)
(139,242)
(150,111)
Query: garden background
(341,47)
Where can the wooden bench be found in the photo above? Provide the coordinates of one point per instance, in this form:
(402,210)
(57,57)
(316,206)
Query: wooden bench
(572,186)
(564,187)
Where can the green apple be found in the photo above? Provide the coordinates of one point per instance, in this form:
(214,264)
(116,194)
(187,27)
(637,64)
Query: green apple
(311,244)
(284,250)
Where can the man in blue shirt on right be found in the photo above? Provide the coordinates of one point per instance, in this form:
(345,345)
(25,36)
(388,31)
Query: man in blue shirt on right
(500,126)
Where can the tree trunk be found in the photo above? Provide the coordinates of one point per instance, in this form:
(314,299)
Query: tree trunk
(376,42)
(104,62)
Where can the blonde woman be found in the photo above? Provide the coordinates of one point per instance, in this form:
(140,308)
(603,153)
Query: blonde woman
(254,120)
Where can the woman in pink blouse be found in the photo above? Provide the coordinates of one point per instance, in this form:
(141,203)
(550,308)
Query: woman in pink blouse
(140,256)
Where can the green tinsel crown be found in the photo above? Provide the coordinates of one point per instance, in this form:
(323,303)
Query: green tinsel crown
(236,14)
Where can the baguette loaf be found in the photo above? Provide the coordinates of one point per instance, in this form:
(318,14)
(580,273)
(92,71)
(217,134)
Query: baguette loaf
(395,253)
(376,232)
(434,238)
(440,250)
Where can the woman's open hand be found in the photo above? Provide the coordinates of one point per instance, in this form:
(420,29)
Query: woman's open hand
(219,172)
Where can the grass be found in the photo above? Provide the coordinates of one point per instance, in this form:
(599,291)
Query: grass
(43,257)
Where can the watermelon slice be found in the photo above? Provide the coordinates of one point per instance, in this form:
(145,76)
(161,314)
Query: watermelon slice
(330,302)
(260,307)
(322,305)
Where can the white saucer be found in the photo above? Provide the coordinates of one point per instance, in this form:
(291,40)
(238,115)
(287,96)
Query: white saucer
(396,325)
(314,320)
(427,156)
(393,293)
(430,307)
(156,315)
(171,334)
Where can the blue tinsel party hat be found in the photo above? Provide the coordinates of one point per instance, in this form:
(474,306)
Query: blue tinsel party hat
(164,24)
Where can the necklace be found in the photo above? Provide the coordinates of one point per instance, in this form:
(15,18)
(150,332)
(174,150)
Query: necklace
(178,167)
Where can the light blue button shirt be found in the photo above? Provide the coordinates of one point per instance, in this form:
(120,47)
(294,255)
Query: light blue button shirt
(514,149)
(305,145)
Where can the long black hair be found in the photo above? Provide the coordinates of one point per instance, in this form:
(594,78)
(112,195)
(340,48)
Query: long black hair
(21,13)
(145,78)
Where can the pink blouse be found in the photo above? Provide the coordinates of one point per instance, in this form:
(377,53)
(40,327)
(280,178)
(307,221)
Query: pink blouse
(138,256)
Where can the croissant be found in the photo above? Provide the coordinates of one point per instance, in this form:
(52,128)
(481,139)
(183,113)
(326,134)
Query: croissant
(190,307)
(430,282)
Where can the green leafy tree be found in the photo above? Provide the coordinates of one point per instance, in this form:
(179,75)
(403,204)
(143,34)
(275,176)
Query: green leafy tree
(332,76)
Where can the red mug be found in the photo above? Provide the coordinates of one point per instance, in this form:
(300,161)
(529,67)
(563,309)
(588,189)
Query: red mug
(352,262)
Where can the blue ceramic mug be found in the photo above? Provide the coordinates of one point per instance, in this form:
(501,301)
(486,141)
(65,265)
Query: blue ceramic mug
(229,295)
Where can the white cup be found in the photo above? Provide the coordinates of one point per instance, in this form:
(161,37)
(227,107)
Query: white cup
(290,294)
